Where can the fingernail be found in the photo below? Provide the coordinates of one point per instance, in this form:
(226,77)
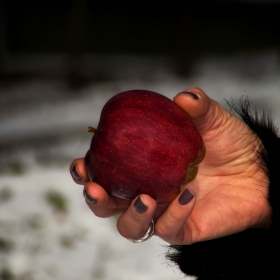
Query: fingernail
(139,206)
(88,198)
(75,173)
(191,94)
(185,197)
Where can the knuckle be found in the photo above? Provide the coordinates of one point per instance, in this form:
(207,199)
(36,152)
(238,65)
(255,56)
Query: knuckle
(129,228)
(163,232)
(122,230)
(172,218)
(167,227)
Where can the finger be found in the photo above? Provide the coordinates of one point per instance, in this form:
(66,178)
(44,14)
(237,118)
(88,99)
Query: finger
(170,225)
(78,171)
(101,203)
(135,221)
(205,112)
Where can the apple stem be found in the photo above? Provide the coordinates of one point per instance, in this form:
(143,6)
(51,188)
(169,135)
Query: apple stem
(91,129)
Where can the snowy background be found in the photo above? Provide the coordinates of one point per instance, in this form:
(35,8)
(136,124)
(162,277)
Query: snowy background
(46,230)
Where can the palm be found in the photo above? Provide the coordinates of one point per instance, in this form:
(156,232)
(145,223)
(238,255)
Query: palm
(223,194)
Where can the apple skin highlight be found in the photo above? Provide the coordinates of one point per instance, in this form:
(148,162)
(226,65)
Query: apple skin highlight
(144,144)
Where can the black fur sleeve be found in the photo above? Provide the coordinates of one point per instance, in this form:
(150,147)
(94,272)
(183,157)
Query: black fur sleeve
(251,254)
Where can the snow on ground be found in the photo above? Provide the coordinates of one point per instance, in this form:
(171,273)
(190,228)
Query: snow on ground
(46,230)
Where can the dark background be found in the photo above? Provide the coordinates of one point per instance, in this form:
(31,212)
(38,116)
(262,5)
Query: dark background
(140,27)
(183,30)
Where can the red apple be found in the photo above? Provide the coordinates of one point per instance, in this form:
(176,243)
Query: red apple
(144,143)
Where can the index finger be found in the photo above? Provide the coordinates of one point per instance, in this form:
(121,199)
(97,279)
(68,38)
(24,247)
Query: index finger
(170,225)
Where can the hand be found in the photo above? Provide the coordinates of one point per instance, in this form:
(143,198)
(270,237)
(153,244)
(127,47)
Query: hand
(228,195)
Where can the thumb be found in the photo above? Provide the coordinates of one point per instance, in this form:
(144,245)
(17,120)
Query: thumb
(206,113)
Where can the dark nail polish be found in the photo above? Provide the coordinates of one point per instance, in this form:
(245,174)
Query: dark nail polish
(75,173)
(185,197)
(193,95)
(88,198)
(139,206)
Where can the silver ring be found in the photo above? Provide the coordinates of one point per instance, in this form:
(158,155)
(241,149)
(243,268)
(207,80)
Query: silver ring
(147,235)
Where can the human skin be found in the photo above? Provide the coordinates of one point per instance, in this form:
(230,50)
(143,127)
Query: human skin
(228,195)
